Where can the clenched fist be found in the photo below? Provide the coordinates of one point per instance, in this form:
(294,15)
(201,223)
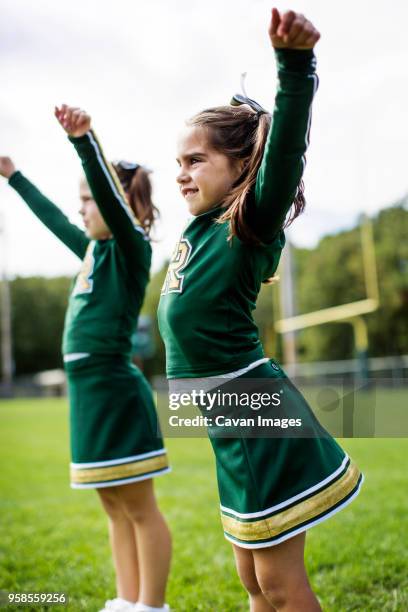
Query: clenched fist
(7,168)
(292,31)
(74,120)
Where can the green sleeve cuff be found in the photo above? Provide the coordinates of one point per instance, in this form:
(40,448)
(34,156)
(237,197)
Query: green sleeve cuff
(83,146)
(296,60)
(78,139)
(15,178)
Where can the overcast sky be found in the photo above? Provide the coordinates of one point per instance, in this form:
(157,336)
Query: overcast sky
(141,67)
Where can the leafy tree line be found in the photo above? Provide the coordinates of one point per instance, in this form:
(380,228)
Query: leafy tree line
(38,309)
(328,275)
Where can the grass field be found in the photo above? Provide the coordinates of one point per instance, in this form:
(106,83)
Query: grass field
(54,539)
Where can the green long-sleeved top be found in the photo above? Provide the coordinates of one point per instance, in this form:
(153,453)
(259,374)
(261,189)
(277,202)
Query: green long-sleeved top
(211,287)
(108,292)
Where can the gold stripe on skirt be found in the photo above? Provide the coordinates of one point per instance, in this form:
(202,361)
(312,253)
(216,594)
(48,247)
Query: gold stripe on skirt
(300,513)
(116,472)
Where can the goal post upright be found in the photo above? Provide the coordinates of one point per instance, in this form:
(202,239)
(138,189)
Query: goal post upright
(351,312)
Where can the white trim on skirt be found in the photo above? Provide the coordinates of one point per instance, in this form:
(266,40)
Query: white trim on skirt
(113,483)
(291,499)
(287,536)
(95,464)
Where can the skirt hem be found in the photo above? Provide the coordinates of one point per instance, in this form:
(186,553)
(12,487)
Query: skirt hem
(311,523)
(115,483)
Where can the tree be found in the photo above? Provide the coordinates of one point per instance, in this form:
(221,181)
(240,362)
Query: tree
(38,311)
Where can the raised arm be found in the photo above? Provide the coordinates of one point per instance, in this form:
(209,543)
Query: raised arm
(105,186)
(44,209)
(293,38)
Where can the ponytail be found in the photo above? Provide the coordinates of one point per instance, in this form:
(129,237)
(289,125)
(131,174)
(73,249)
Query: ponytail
(138,188)
(236,202)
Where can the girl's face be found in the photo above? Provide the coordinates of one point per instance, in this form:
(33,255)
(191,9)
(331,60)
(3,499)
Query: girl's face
(206,175)
(95,226)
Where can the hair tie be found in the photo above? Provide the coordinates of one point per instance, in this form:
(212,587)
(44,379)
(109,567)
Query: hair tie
(239,99)
(125,165)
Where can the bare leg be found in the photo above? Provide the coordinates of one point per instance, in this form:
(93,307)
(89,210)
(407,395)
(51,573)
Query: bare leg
(246,571)
(281,574)
(152,539)
(123,545)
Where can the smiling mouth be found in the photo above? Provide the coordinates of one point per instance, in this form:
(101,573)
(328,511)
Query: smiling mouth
(188,192)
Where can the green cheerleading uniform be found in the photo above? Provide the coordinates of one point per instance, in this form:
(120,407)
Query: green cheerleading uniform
(115,436)
(270,488)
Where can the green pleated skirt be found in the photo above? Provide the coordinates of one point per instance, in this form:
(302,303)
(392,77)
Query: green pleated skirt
(272,488)
(115,434)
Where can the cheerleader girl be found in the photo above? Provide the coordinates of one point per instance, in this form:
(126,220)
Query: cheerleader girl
(116,445)
(240,176)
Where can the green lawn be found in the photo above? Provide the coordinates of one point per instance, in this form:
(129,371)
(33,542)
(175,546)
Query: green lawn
(54,539)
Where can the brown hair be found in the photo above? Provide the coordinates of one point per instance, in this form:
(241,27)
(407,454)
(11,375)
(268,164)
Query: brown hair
(240,133)
(138,188)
